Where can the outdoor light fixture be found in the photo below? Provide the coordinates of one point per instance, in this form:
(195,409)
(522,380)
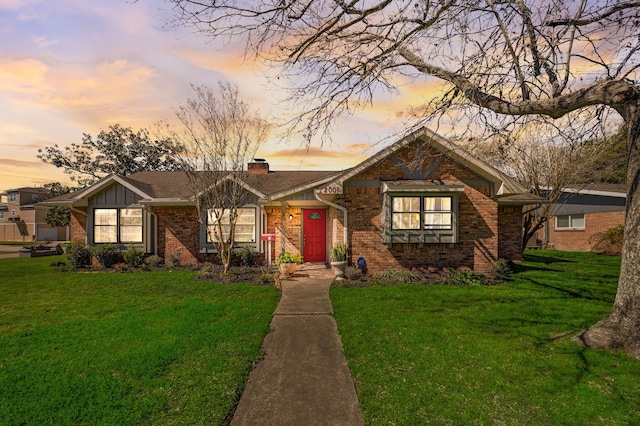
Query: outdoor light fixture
(290,216)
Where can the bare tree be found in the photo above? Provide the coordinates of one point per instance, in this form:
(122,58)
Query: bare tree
(546,162)
(220,136)
(501,60)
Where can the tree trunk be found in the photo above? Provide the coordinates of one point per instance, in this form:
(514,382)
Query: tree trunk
(621,329)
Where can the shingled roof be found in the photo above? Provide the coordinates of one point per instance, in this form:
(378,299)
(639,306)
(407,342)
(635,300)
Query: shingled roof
(175,185)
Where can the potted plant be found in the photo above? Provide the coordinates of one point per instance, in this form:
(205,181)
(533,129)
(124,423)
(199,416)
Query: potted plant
(339,259)
(288,263)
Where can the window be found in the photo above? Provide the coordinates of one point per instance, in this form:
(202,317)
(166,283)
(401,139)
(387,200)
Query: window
(573,221)
(428,212)
(117,225)
(13,197)
(245,225)
(420,213)
(1,214)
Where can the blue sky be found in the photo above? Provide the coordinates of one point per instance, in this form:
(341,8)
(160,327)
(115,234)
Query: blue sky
(69,67)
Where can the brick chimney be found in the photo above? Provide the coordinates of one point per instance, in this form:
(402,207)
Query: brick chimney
(258,167)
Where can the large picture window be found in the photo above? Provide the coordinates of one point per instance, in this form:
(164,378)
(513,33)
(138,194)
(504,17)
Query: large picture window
(117,225)
(245,225)
(417,213)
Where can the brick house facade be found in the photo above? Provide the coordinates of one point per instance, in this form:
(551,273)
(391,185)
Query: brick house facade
(421,202)
(580,216)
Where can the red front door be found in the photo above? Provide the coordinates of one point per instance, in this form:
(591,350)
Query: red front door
(314,227)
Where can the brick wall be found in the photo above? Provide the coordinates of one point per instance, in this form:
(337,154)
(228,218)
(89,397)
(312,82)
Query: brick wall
(179,234)
(510,232)
(293,230)
(79,224)
(579,239)
(477,246)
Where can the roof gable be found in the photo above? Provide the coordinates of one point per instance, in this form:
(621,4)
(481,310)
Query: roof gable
(503,185)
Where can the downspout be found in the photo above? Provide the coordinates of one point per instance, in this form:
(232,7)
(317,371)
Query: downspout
(283,224)
(339,207)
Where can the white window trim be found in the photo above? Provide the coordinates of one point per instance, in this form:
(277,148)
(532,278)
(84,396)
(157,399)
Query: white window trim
(118,225)
(571,228)
(206,245)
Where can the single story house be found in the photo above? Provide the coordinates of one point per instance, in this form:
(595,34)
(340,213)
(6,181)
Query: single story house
(421,202)
(580,215)
(22,218)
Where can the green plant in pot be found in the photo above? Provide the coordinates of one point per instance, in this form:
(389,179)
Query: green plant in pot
(288,263)
(339,259)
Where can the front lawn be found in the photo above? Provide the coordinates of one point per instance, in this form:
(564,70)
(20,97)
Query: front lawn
(490,355)
(124,348)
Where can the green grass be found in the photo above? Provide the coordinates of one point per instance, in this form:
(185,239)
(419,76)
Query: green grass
(131,348)
(490,355)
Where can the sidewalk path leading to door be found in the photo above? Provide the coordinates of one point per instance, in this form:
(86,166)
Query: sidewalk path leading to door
(303,378)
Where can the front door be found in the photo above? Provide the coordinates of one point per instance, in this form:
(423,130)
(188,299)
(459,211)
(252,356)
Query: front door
(314,227)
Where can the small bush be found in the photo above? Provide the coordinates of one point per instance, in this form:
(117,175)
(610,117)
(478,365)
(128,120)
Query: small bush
(78,254)
(246,255)
(400,276)
(153,261)
(266,278)
(352,273)
(501,270)
(464,278)
(133,256)
(121,267)
(107,255)
(608,242)
(173,259)
(339,253)
(207,271)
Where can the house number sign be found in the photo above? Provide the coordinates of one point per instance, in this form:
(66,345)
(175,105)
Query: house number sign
(334,188)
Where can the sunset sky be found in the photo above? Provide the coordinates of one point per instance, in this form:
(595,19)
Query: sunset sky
(69,67)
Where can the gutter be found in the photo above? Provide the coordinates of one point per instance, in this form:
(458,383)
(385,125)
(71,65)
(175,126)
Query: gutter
(339,207)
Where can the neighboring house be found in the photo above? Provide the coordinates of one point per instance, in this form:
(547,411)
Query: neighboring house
(22,219)
(581,214)
(421,202)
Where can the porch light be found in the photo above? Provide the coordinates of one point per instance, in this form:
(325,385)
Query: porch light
(290,216)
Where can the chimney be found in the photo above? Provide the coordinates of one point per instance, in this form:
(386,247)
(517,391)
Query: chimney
(258,167)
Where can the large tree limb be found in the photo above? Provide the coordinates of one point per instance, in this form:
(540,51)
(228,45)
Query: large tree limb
(614,93)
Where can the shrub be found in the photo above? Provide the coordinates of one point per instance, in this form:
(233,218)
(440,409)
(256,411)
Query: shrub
(608,242)
(107,255)
(501,270)
(133,256)
(400,276)
(352,273)
(120,267)
(207,271)
(173,259)
(78,254)
(339,253)
(153,261)
(464,278)
(266,278)
(246,255)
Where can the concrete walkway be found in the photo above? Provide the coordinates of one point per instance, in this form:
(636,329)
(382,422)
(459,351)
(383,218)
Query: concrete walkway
(303,378)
